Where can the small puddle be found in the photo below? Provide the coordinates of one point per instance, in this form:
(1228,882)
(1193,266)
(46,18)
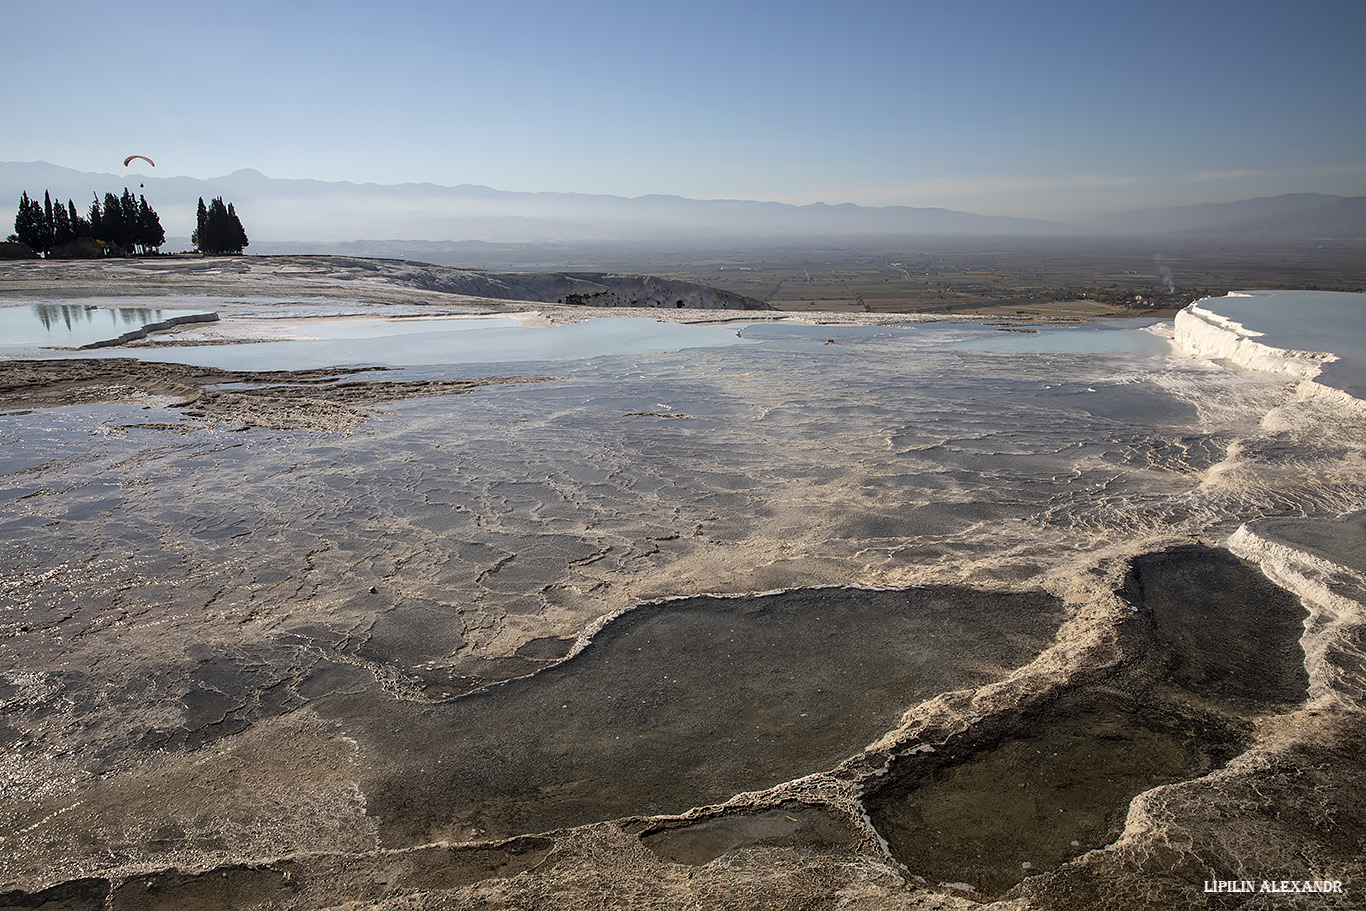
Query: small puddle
(1214,643)
(790,825)
(679,705)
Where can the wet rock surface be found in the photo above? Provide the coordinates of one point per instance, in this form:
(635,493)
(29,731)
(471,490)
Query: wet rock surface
(317,881)
(243,652)
(279,400)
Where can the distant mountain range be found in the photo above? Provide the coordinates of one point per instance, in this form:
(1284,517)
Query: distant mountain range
(281,214)
(1294,216)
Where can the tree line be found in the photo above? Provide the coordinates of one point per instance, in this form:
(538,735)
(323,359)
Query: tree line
(119,225)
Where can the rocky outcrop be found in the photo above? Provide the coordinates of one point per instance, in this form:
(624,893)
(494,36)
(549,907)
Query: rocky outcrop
(590,289)
(623,290)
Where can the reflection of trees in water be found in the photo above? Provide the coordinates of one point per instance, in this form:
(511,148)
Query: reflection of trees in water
(53,315)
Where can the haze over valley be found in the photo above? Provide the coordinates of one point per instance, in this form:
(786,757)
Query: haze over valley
(316,216)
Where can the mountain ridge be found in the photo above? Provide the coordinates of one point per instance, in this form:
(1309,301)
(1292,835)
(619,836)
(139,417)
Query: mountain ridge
(293,210)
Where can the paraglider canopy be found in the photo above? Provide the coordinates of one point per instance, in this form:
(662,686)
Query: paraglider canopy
(143,157)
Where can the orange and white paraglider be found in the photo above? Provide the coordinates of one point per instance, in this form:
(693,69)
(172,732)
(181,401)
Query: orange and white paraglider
(143,157)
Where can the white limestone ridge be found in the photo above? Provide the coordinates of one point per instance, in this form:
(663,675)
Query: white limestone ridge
(1204,333)
(1335,596)
(1208,334)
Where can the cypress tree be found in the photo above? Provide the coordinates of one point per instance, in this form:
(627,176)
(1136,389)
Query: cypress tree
(238,233)
(201,223)
(21,217)
(128,215)
(96,219)
(218,226)
(80,227)
(115,232)
(62,231)
(48,230)
(150,232)
(26,227)
(31,225)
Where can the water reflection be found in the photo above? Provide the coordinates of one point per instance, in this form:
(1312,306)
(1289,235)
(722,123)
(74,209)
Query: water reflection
(69,315)
(72,325)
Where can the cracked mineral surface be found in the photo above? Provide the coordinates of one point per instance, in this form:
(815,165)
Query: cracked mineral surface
(759,614)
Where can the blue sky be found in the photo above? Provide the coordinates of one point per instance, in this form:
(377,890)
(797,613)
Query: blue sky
(1051,109)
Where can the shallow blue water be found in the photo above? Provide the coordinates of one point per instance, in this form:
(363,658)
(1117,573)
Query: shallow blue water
(385,343)
(1124,336)
(431,342)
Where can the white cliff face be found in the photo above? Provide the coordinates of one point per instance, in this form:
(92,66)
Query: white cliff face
(1201,331)
(1207,334)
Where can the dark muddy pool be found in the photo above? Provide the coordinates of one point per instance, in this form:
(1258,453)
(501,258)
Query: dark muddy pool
(1213,644)
(682,704)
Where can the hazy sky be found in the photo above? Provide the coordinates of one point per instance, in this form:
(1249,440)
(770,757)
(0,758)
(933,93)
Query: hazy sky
(1052,109)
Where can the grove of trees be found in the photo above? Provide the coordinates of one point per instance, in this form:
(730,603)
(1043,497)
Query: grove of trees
(120,223)
(218,229)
